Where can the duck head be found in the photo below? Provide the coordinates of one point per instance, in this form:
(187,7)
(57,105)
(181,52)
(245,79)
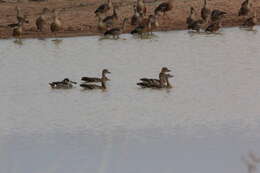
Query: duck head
(165,70)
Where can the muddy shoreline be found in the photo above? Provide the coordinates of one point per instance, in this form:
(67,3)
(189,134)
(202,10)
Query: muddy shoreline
(79,20)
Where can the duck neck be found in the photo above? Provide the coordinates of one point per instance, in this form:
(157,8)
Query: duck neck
(103,84)
(168,84)
(205,3)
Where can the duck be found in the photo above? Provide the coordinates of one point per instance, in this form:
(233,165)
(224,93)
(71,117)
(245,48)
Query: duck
(136,18)
(152,23)
(110,20)
(250,22)
(140,7)
(146,25)
(217,15)
(164,8)
(102,27)
(64,84)
(157,84)
(18,30)
(245,8)
(163,71)
(20,17)
(191,16)
(195,25)
(56,25)
(94,86)
(93,79)
(205,12)
(41,21)
(214,27)
(104,8)
(115,32)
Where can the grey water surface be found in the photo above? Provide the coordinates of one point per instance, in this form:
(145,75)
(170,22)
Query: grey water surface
(206,123)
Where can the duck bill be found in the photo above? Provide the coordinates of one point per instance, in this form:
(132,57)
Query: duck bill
(73,82)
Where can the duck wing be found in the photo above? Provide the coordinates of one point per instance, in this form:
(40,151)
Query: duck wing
(148,85)
(90,86)
(91,79)
(150,81)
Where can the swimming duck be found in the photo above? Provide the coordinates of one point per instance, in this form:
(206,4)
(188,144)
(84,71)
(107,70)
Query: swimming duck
(245,8)
(94,86)
(157,84)
(205,12)
(115,32)
(64,84)
(93,79)
(163,71)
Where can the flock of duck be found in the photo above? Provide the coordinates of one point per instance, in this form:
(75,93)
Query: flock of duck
(210,20)
(90,83)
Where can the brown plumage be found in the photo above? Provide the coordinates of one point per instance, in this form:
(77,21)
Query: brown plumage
(18,30)
(93,79)
(110,20)
(136,18)
(140,7)
(102,27)
(40,23)
(115,32)
(157,84)
(104,8)
(250,22)
(217,15)
(164,8)
(20,17)
(153,23)
(64,84)
(191,16)
(214,27)
(245,8)
(205,12)
(56,25)
(161,81)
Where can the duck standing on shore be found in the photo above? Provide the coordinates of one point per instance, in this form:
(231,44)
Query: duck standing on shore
(115,32)
(140,7)
(41,21)
(192,22)
(110,20)
(205,12)
(56,25)
(245,8)
(250,22)
(214,26)
(104,8)
(164,8)
(217,15)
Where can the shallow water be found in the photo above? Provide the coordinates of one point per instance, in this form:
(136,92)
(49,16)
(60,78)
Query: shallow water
(204,124)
